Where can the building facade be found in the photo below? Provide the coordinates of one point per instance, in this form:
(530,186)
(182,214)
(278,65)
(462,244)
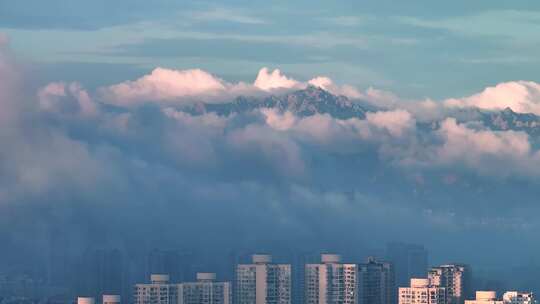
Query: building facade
(331,282)
(376,282)
(421,291)
(205,291)
(455,278)
(516,297)
(158,291)
(485,297)
(263,282)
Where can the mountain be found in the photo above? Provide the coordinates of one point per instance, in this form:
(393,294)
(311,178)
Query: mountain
(510,120)
(314,100)
(310,101)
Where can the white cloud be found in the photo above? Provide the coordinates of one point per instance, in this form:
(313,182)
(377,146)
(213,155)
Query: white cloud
(63,98)
(520,96)
(495,154)
(395,122)
(267,80)
(462,142)
(281,153)
(327,84)
(279,121)
(165,85)
(224,14)
(346,21)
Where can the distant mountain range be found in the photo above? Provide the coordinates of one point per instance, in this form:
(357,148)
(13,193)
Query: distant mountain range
(306,102)
(314,100)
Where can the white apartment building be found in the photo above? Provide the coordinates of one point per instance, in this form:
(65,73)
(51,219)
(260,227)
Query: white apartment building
(205,291)
(456,280)
(331,282)
(421,291)
(516,297)
(485,297)
(158,291)
(263,282)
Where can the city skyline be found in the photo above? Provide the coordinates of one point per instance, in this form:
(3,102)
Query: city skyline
(332,281)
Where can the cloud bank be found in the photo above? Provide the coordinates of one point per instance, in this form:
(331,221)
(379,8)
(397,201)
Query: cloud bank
(183,86)
(520,96)
(109,174)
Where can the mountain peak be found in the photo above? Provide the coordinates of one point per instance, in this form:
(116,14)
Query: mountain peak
(508,110)
(305,102)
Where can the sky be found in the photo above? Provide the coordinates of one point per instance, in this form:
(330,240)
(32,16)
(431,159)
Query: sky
(99,151)
(416,48)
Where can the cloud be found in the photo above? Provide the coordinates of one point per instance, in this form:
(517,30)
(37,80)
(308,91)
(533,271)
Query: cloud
(4,40)
(166,85)
(63,98)
(520,96)
(395,122)
(224,14)
(328,85)
(345,21)
(505,25)
(267,80)
(72,163)
(493,153)
(10,84)
(279,121)
(170,87)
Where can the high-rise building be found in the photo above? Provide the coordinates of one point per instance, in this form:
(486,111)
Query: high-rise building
(331,282)
(263,282)
(421,291)
(455,278)
(409,260)
(376,282)
(158,291)
(485,297)
(516,297)
(205,291)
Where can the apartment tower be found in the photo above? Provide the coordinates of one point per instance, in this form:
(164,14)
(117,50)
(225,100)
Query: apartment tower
(263,282)
(331,282)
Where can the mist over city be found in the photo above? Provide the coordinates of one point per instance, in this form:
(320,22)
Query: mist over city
(251,152)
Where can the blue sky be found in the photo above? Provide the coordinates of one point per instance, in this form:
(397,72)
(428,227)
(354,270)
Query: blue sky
(414,48)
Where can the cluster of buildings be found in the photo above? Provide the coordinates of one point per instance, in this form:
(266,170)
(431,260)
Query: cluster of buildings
(331,281)
(324,280)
